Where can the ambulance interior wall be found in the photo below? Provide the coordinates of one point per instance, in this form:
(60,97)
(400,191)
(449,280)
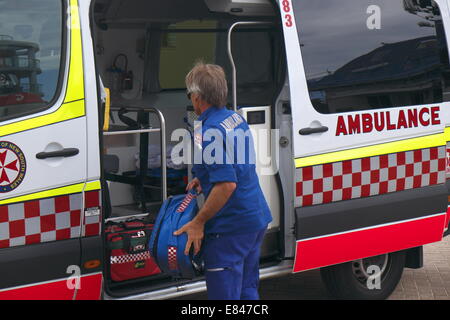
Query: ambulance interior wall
(254,58)
(110,43)
(129,41)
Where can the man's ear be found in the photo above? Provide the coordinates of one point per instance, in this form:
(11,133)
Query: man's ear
(197,98)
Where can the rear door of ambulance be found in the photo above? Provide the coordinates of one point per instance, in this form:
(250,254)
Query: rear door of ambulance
(369,83)
(46,184)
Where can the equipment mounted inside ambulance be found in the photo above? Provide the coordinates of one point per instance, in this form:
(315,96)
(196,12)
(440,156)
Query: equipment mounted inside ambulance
(351,96)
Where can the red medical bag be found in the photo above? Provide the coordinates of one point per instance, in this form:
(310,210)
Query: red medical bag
(129,257)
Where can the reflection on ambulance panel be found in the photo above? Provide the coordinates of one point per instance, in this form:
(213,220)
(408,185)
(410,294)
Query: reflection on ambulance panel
(19,70)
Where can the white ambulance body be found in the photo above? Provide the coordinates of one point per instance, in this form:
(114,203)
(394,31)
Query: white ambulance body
(348,103)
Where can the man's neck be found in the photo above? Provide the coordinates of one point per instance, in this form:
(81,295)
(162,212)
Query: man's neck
(205,107)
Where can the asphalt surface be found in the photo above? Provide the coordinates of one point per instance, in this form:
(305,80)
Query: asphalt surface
(432,282)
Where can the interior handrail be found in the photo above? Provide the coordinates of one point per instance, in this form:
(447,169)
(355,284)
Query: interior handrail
(230,55)
(161,129)
(136,131)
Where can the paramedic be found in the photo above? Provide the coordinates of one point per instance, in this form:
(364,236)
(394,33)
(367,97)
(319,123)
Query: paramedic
(235,215)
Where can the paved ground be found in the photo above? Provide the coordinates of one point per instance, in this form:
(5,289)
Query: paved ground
(430,282)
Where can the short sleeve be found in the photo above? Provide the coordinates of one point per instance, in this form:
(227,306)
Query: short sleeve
(221,173)
(218,168)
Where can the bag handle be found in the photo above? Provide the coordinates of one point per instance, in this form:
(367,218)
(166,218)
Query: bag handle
(126,224)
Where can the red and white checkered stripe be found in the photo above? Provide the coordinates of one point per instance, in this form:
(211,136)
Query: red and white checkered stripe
(186,201)
(40,221)
(172,258)
(370,176)
(130,258)
(51,219)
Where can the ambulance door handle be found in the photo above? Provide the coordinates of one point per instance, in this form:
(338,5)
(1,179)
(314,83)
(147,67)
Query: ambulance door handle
(64,153)
(308,131)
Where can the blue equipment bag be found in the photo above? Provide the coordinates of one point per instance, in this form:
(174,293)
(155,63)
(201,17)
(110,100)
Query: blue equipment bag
(167,249)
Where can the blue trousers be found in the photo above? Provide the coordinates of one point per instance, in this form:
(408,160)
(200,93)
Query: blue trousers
(232,265)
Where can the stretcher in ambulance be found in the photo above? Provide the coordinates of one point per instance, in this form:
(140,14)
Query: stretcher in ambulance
(348,102)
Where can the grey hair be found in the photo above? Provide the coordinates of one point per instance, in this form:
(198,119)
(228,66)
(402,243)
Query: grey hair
(209,81)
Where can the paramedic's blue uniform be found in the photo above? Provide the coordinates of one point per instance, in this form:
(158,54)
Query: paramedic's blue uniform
(234,235)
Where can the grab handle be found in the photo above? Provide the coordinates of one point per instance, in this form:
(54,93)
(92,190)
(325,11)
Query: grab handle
(64,153)
(308,131)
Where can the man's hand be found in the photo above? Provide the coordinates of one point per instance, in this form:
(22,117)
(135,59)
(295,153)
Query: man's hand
(195,183)
(194,230)
(219,195)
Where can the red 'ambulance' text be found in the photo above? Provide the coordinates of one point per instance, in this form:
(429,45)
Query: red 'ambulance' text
(385,120)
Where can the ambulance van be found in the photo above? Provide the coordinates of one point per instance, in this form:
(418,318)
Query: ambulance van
(349,105)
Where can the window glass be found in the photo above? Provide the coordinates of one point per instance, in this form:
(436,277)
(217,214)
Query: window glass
(182,46)
(30,55)
(256,55)
(370,54)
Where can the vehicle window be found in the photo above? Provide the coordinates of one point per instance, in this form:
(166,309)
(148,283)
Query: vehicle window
(30,55)
(183,44)
(361,54)
(256,54)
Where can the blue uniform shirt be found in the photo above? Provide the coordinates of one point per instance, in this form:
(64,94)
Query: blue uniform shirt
(224,152)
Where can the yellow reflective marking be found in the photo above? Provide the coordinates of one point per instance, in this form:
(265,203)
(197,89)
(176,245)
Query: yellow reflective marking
(75,84)
(93,185)
(107,109)
(447,134)
(76,188)
(72,189)
(66,111)
(431,141)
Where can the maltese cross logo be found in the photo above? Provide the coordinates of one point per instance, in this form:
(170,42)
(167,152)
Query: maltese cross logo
(8,169)
(12,166)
